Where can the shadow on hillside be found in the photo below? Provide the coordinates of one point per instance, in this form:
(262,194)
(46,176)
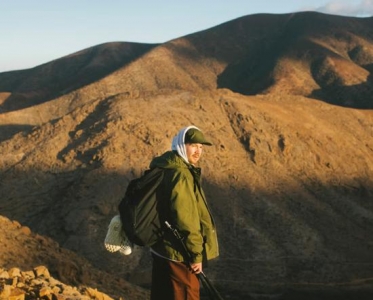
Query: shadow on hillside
(8,131)
(59,77)
(87,123)
(248,77)
(252,76)
(358,96)
(268,242)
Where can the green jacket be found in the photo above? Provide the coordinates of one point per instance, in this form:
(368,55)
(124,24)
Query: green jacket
(184,206)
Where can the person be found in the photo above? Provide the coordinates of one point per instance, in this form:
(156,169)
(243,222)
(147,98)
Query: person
(184,206)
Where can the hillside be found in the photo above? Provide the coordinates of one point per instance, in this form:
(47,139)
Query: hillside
(77,278)
(287,102)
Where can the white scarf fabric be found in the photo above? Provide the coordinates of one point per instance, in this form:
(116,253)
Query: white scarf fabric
(178,142)
(115,239)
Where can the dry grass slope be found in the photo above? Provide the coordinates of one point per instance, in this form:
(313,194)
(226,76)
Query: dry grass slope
(287,102)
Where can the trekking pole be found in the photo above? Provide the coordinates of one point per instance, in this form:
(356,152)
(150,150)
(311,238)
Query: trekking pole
(213,292)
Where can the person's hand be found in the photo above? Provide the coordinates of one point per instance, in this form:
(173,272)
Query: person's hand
(196,267)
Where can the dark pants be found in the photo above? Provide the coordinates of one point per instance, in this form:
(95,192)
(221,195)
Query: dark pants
(173,281)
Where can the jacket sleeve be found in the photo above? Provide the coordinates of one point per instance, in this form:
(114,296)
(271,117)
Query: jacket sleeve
(184,214)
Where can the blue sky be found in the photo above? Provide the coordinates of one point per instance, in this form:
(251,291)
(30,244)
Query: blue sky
(33,32)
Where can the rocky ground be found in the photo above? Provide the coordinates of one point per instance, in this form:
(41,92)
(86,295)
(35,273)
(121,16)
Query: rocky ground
(38,284)
(51,272)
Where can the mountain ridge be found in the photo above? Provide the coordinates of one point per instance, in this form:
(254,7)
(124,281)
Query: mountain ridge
(289,177)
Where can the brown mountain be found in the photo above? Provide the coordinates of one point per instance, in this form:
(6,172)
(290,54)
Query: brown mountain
(286,100)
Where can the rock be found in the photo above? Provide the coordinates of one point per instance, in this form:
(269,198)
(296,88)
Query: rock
(28,275)
(25,230)
(14,272)
(17,294)
(94,294)
(45,291)
(42,271)
(4,275)
(38,284)
(5,291)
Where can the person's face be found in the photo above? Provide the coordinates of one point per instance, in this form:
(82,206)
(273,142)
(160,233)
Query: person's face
(194,152)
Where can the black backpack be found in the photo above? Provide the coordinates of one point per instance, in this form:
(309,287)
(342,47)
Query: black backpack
(139,209)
